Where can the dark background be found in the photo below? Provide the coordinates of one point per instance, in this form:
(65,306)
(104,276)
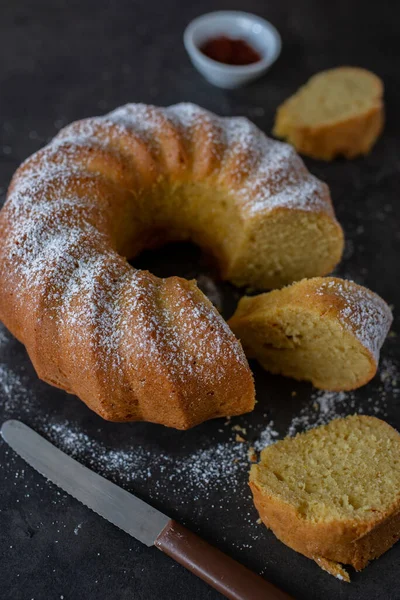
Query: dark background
(64,60)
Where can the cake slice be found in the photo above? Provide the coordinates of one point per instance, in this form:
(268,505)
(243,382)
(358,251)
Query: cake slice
(337,112)
(325,330)
(333,493)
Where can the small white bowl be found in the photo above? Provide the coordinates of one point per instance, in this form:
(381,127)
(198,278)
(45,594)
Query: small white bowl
(258,32)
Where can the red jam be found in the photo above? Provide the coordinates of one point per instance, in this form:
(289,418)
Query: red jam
(229,51)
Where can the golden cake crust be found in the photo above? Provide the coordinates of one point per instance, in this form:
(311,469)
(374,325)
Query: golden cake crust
(330,544)
(132,346)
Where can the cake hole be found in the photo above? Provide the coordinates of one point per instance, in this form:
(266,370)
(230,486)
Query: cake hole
(186,260)
(355,503)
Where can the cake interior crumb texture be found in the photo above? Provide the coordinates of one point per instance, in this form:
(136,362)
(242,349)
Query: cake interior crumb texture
(335,94)
(349,468)
(334,491)
(338,112)
(325,330)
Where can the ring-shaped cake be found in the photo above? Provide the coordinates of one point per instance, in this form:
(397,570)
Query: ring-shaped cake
(130,345)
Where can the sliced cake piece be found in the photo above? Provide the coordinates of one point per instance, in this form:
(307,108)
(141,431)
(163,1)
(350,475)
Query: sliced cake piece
(325,330)
(333,493)
(337,112)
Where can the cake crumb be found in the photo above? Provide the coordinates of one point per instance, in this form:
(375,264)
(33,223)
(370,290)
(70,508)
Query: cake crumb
(251,455)
(240,429)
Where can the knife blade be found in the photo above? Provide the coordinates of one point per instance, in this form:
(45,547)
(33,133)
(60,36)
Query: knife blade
(137,518)
(104,497)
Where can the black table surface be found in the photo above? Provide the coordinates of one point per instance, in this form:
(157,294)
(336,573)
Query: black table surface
(65,60)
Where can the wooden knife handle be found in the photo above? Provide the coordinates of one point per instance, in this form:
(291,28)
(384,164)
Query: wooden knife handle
(220,571)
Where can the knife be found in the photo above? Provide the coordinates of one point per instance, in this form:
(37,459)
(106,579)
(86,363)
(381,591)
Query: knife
(137,518)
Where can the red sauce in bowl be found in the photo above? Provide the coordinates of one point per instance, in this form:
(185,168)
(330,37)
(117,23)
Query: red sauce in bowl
(230,51)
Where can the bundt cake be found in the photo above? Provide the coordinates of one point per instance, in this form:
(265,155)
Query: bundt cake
(333,493)
(325,330)
(130,345)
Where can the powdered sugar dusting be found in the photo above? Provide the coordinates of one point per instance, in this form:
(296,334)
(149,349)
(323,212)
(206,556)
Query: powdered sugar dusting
(189,115)
(325,406)
(55,246)
(46,249)
(267,437)
(42,201)
(143,119)
(365,313)
(270,173)
(77,528)
(197,474)
(4,337)
(12,389)
(192,476)
(85,288)
(15,393)
(322,408)
(275,174)
(389,388)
